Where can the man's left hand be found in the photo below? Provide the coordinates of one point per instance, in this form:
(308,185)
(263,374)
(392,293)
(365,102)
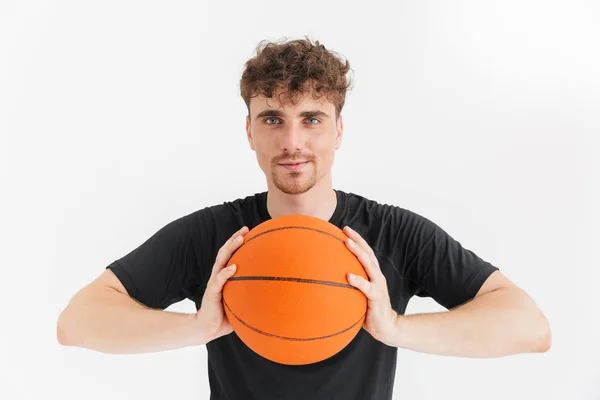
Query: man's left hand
(381,318)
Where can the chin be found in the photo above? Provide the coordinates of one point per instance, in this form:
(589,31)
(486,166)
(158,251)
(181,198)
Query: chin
(293,189)
(293,186)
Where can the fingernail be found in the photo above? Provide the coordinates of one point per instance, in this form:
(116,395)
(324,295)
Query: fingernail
(351,276)
(231,267)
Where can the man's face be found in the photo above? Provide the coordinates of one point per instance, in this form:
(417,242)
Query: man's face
(283,135)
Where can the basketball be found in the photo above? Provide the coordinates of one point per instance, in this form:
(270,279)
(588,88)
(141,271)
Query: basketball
(289,299)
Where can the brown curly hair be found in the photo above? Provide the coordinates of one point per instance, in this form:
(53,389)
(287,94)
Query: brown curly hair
(296,67)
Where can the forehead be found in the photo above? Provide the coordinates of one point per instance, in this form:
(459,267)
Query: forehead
(284,104)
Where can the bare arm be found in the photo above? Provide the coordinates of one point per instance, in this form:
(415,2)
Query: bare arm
(103,317)
(501,320)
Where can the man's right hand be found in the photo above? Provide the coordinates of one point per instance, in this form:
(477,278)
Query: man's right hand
(211,316)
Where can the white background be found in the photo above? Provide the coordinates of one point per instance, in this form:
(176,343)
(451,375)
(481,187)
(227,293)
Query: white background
(117,117)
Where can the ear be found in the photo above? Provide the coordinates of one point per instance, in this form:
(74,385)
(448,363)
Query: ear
(249,133)
(340,131)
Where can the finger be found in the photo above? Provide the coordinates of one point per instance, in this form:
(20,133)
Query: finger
(371,266)
(215,286)
(234,239)
(230,246)
(225,252)
(241,232)
(359,240)
(374,270)
(361,284)
(231,242)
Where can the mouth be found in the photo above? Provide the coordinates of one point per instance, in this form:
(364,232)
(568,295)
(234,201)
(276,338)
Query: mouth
(295,165)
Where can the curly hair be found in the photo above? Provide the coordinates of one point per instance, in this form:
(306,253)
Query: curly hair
(296,67)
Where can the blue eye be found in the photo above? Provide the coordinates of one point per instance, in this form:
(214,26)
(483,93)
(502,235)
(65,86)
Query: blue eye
(313,119)
(270,119)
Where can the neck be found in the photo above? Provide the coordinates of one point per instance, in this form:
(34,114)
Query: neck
(319,202)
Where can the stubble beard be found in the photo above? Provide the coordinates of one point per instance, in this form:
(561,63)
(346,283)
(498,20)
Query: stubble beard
(294,182)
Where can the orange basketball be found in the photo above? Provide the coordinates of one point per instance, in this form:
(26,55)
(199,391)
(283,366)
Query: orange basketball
(289,299)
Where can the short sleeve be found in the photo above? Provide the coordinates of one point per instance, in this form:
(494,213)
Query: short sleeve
(442,268)
(162,270)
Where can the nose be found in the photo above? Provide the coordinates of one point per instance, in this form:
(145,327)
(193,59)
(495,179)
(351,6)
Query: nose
(292,138)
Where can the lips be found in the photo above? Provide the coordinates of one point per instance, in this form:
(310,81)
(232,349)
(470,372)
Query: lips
(295,163)
(295,166)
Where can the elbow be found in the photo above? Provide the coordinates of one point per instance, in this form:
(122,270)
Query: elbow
(69,323)
(62,332)
(533,337)
(543,338)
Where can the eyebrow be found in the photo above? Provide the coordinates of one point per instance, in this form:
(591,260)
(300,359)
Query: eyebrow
(303,114)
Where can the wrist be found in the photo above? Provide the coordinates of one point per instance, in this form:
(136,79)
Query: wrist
(200,334)
(396,330)
(389,331)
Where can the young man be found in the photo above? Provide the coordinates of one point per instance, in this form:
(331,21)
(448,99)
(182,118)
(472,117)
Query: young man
(295,92)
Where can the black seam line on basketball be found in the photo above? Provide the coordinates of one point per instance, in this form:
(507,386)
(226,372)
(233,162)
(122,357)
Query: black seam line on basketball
(294,227)
(281,278)
(286,227)
(292,338)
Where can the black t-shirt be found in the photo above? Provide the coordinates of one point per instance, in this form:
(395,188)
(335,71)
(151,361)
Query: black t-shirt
(416,256)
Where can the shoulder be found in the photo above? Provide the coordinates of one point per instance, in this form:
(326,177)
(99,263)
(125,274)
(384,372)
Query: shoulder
(379,214)
(387,224)
(223,219)
(227,208)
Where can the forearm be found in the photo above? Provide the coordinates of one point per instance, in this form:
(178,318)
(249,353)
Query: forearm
(111,322)
(495,324)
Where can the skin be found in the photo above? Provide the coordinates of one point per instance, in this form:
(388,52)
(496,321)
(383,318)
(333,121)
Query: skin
(283,133)
(501,320)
